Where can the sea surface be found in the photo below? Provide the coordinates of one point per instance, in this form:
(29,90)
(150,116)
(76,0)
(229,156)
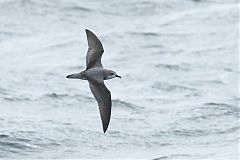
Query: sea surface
(178,97)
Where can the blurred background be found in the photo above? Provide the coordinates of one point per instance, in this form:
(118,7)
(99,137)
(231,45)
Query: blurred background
(177,99)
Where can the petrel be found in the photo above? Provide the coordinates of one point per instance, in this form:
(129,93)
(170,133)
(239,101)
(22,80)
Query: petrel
(95,74)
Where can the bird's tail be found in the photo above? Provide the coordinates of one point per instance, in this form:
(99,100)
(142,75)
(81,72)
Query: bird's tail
(76,76)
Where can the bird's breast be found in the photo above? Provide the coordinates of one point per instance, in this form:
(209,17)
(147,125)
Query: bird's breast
(94,74)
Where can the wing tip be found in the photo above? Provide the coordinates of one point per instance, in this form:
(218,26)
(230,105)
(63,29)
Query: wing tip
(87,30)
(93,41)
(104,129)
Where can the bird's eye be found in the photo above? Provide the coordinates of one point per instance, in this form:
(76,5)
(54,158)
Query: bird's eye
(111,74)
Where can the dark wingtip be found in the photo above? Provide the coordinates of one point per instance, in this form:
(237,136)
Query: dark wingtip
(93,41)
(104,129)
(88,31)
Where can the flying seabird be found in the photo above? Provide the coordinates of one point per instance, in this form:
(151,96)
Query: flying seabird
(95,74)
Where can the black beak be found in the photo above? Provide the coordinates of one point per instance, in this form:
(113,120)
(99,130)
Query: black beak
(118,76)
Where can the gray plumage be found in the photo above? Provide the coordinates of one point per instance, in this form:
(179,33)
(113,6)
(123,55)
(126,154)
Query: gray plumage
(96,74)
(95,51)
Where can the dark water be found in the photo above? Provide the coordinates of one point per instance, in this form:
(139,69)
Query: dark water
(178,98)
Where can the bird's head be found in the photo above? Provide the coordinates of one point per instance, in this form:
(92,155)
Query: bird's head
(111,74)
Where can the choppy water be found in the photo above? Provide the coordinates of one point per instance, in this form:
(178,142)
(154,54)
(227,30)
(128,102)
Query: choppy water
(178,98)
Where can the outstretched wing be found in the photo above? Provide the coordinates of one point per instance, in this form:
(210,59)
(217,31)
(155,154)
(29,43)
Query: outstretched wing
(103,97)
(95,50)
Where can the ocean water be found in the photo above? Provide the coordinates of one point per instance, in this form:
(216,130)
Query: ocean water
(177,99)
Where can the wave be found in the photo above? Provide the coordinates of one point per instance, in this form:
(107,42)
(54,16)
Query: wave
(174,67)
(77,9)
(145,34)
(223,108)
(16,99)
(172,87)
(126,105)
(59,96)
(212,110)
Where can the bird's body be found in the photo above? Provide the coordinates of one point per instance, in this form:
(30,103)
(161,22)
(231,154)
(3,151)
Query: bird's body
(96,74)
